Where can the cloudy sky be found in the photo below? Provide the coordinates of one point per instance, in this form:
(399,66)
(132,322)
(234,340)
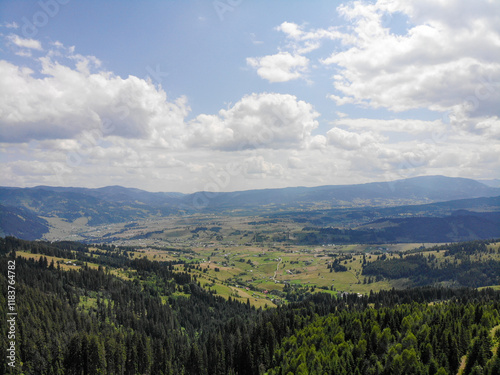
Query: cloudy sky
(237,94)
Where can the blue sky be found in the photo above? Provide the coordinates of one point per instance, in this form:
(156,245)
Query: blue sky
(237,94)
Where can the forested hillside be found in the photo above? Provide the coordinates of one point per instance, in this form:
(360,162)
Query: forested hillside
(472,264)
(21,223)
(460,226)
(92,320)
(411,338)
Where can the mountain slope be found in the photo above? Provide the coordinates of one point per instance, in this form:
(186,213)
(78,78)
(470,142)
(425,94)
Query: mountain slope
(21,223)
(414,190)
(114,204)
(461,226)
(70,205)
(120,194)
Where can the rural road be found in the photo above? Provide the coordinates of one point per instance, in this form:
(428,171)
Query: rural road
(277,268)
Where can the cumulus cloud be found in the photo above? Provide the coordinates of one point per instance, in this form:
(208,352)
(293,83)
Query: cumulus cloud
(281,67)
(82,123)
(302,41)
(259,167)
(443,60)
(291,64)
(268,120)
(85,125)
(61,101)
(351,140)
(490,127)
(317,142)
(25,43)
(292,30)
(407,126)
(405,55)
(295,163)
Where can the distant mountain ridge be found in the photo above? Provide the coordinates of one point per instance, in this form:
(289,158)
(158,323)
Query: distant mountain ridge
(21,223)
(493,183)
(115,204)
(462,225)
(423,189)
(119,194)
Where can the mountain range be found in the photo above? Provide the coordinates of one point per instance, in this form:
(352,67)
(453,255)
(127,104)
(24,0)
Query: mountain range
(412,190)
(22,210)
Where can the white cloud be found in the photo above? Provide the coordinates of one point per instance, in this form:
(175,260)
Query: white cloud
(67,101)
(318,142)
(25,43)
(84,124)
(10,25)
(342,156)
(341,100)
(289,65)
(295,163)
(490,127)
(445,58)
(291,29)
(254,39)
(258,167)
(281,67)
(407,126)
(306,41)
(351,140)
(266,120)
(90,126)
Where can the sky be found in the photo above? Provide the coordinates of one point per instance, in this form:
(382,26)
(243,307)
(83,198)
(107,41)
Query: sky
(186,96)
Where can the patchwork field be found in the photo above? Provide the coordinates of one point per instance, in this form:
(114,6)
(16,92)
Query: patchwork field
(250,259)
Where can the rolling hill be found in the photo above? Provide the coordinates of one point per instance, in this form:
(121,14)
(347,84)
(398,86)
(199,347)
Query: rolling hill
(462,225)
(424,189)
(21,223)
(114,204)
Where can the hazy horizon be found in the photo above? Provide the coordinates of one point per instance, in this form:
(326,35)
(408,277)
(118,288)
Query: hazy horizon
(486,182)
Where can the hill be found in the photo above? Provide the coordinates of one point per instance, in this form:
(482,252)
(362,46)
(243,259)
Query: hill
(56,201)
(349,204)
(21,223)
(71,204)
(120,194)
(462,225)
(424,189)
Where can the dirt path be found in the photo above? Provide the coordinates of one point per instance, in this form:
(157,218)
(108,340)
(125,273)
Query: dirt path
(277,268)
(462,365)
(494,350)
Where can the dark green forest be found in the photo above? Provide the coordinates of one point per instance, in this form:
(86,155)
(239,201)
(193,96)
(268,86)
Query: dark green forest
(163,322)
(466,264)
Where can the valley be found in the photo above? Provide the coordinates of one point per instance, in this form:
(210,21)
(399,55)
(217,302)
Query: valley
(263,260)
(276,246)
(234,286)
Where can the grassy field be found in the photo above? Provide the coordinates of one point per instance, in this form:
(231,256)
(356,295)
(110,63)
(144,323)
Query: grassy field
(259,274)
(246,257)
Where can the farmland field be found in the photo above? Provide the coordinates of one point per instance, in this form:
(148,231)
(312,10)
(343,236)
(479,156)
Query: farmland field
(253,258)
